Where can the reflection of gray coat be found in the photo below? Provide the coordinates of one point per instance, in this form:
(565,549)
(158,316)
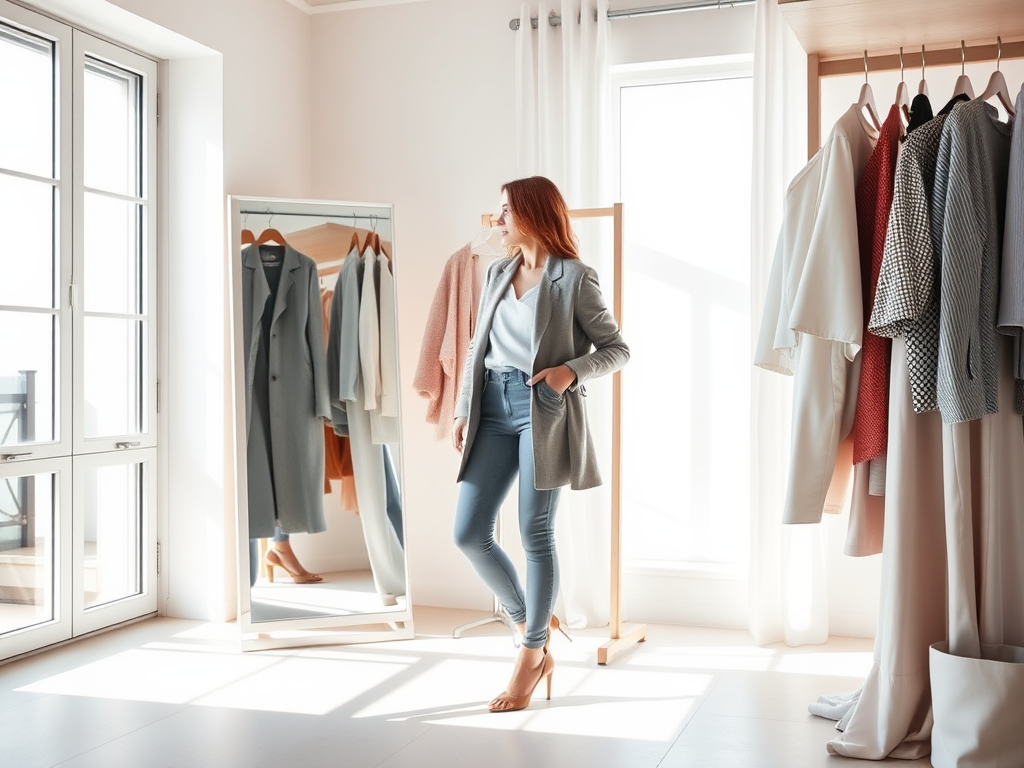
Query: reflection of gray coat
(291,447)
(571,320)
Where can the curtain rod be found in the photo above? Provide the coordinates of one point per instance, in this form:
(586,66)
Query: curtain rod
(701,5)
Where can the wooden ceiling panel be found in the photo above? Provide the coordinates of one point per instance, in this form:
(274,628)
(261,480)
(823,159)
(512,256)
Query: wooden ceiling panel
(842,28)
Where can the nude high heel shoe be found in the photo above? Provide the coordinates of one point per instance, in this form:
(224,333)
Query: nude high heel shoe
(553,625)
(506,702)
(272,559)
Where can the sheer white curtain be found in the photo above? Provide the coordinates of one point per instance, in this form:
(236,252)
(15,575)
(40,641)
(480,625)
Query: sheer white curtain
(788,588)
(564,133)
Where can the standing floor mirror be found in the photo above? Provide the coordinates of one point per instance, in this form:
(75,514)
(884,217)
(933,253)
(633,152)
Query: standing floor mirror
(320,502)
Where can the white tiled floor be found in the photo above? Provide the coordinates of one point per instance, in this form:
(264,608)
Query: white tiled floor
(179,693)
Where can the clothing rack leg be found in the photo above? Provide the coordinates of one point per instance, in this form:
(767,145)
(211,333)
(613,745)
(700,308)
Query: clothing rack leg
(619,640)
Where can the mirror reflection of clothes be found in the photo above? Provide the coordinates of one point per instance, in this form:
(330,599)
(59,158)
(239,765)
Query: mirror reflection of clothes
(286,393)
(370,460)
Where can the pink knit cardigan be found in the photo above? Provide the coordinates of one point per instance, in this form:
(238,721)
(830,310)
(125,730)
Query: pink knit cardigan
(449,328)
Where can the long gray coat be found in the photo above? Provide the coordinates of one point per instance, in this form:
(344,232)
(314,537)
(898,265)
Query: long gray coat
(571,320)
(298,396)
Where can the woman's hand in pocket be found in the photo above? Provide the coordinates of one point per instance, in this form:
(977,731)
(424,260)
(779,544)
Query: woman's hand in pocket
(559,378)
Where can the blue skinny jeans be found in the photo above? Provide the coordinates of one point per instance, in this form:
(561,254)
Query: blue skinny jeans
(503,448)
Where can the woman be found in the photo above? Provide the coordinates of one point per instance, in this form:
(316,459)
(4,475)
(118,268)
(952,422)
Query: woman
(542,331)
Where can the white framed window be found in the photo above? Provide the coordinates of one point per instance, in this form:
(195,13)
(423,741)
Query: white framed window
(77,333)
(683,145)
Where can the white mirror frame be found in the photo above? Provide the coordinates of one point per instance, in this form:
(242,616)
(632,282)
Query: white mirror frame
(333,630)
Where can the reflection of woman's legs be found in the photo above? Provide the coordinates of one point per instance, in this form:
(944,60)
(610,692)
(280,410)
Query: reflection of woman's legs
(492,466)
(537,529)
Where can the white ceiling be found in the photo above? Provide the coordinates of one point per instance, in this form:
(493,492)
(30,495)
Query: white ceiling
(330,6)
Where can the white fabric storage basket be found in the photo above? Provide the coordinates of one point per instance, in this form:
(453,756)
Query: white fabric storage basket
(978,706)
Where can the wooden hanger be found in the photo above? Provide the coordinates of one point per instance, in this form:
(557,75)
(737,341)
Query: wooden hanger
(866,101)
(354,242)
(997,83)
(963,83)
(270,234)
(246,235)
(903,95)
(922,87)
(372,240)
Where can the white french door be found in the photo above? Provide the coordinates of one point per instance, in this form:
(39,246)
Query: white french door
(77,333)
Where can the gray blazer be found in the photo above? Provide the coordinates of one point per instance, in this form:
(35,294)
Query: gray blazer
(571,320)
(297,393)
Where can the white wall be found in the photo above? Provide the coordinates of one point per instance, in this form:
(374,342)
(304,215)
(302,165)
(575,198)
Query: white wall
(416,106)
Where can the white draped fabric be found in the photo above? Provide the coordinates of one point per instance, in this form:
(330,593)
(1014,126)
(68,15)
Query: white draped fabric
(788,588)
(564,133)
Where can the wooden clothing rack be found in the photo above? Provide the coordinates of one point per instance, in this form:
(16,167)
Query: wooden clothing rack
(621,636)
(817,69)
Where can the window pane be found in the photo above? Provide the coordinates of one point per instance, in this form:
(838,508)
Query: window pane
(111,129)
(112,531)
(685,186)
(113,377)
(27,255)
(27,511)
(112,282)
(27,92)
(28,343)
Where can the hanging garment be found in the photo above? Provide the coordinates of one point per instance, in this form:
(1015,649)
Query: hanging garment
(1011,298)
(369,333)
(291,395)
(383,547)
(892,716)
(813,319)
(920,112)
(874,199)
(388,341)
(384,425)
(967,221)
(337,455)
(907,295)
(449,327)
(383,429)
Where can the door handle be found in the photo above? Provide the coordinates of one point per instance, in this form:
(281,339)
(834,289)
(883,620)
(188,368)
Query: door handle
(128,444)
(13,456)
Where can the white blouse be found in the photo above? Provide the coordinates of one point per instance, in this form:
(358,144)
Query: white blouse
(511,339)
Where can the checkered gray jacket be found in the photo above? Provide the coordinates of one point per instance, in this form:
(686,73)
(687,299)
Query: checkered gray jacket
(968,205)
(907,295)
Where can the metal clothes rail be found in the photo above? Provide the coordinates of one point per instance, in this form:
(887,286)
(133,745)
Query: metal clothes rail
(356,216)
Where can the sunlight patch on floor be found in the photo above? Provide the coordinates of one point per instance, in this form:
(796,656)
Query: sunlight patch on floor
(153,675)
(855,664)
(303,686)
(740,658)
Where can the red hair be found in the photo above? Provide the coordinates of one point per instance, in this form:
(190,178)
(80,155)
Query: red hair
(540,213)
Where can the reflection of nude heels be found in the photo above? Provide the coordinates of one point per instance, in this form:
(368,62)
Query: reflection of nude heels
(272,559)
(546,671)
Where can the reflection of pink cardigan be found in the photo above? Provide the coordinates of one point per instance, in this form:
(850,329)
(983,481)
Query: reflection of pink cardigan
(446,338)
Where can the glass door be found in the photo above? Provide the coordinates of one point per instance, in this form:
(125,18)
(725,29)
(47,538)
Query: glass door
(113,302)
(77,335)
(35,332)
